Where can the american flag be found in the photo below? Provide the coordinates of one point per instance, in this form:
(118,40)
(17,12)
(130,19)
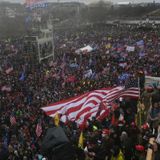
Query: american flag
(38,129)
(86,106)
(12,120)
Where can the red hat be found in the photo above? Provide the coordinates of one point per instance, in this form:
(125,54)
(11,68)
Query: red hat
(106,132)
(139,148)
(145,126)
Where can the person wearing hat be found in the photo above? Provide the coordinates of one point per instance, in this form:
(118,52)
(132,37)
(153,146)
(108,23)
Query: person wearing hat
(126,145)
(141,113)
(155,94)
(157,144)
(89,150)
(154,115)
(105,132)
(139,153)
(146,99)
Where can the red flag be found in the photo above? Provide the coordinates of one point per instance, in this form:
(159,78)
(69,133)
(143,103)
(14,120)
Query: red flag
(38,130)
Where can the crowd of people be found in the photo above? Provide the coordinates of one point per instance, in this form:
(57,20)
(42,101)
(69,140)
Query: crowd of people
(27,85)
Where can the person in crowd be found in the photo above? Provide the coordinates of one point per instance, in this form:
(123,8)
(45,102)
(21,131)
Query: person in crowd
(154,115)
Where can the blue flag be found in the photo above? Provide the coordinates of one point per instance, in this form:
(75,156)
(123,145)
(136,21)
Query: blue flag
(22,77)
(140,43)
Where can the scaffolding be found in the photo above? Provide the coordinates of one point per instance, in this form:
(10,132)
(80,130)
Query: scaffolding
(42,43)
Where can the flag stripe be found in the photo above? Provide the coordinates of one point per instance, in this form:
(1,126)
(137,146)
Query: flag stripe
(91,103)
(130,93)
(87,115)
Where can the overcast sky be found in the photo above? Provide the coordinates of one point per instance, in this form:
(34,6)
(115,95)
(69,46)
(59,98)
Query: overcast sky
(133,1)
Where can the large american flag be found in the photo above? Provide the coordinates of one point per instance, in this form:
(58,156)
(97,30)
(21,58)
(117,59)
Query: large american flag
(86,106)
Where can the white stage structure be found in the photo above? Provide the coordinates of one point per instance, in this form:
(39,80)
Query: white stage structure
(43,43)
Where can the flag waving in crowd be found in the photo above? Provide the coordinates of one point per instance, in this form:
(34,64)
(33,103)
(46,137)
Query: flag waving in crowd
(86,106)
(38,129)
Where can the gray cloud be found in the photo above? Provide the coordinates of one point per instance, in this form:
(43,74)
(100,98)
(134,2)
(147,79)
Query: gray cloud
(88,1)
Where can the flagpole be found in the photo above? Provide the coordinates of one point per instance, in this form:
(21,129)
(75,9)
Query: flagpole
(138,105)
(139,87)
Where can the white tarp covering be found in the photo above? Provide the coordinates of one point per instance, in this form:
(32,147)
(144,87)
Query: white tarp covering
(85,49)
